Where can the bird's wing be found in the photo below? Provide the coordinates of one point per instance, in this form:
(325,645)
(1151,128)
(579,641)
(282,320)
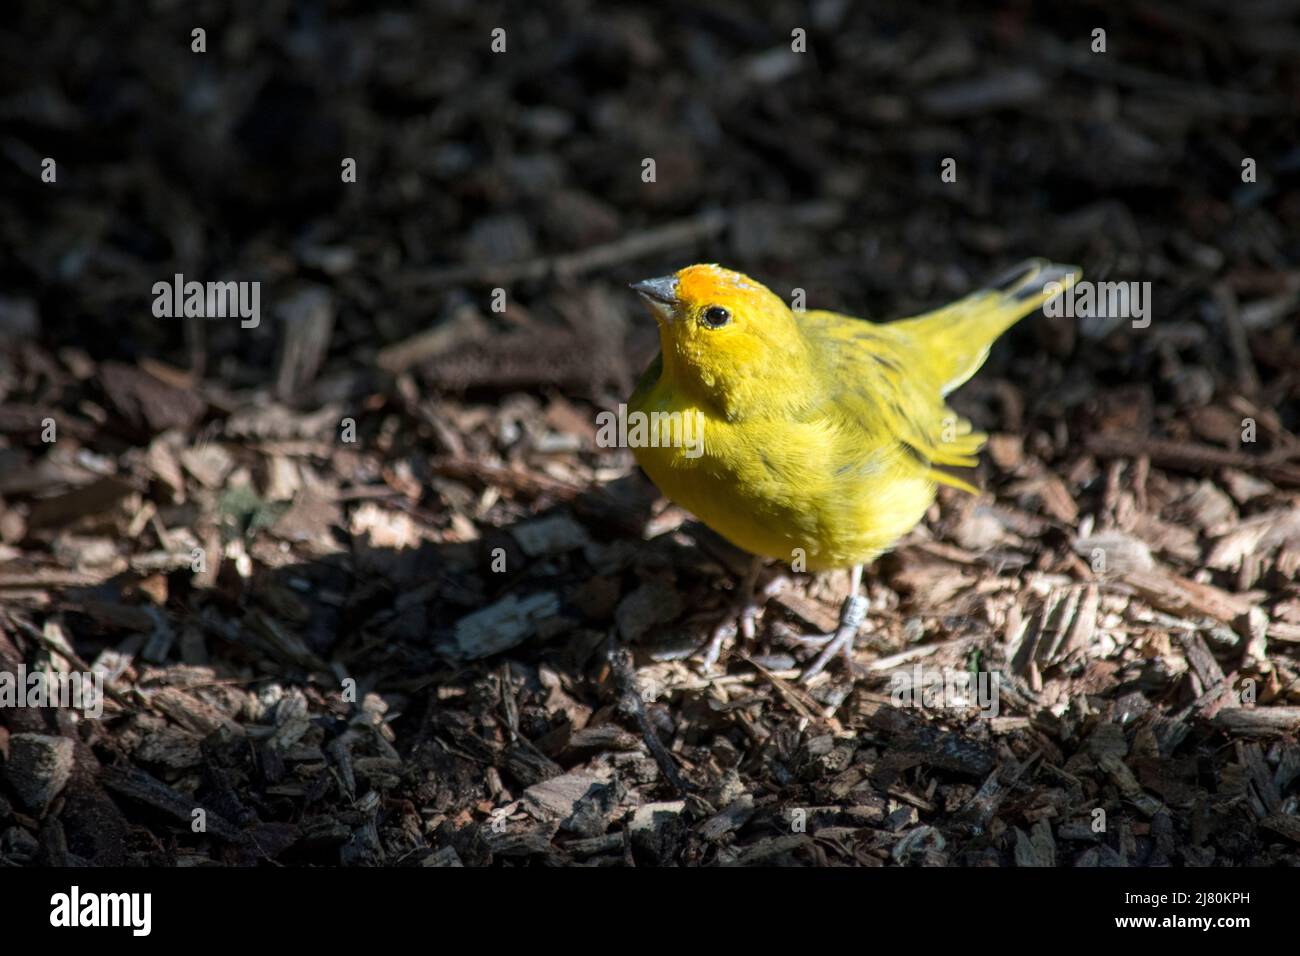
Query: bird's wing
(890,379)
(871,382)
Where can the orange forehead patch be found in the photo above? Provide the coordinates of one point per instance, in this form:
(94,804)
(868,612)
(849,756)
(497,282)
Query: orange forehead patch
(710,283)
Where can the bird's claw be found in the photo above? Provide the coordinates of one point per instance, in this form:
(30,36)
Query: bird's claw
(742,619)
(852,614)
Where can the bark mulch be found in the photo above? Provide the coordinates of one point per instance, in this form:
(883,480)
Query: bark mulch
(364,591)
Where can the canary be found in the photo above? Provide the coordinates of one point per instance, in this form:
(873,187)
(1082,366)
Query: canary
(823,437)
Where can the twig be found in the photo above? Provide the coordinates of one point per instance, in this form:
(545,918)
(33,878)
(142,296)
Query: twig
(71,656)
(792,695)
(660,239)
(1247,376)
(630,702)
(1195,457)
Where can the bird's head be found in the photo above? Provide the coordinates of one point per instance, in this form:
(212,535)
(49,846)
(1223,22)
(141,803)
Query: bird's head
(725,338)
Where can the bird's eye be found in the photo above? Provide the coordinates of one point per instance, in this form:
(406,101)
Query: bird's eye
(715,317)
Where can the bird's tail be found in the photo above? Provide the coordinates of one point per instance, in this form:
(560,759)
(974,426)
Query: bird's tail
(956,338)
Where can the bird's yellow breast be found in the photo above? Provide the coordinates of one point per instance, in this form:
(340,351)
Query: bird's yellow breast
(788,489)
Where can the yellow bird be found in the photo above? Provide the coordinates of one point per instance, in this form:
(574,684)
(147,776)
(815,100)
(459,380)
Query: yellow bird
(823,436)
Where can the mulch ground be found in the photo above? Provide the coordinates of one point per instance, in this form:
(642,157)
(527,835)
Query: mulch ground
(364,590)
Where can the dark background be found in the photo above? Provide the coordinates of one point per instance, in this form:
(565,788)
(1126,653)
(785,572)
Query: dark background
(226,164)
(522,171)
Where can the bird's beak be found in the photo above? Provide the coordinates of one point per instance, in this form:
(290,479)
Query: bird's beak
(660,294)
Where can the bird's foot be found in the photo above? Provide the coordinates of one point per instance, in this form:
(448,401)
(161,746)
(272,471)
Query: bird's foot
(839,641)
(742,617)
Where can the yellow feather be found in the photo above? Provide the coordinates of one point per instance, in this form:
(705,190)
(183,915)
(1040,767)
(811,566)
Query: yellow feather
(823,435)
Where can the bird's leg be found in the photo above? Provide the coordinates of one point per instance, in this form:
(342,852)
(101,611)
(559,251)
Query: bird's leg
(852,613)
(744,612)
